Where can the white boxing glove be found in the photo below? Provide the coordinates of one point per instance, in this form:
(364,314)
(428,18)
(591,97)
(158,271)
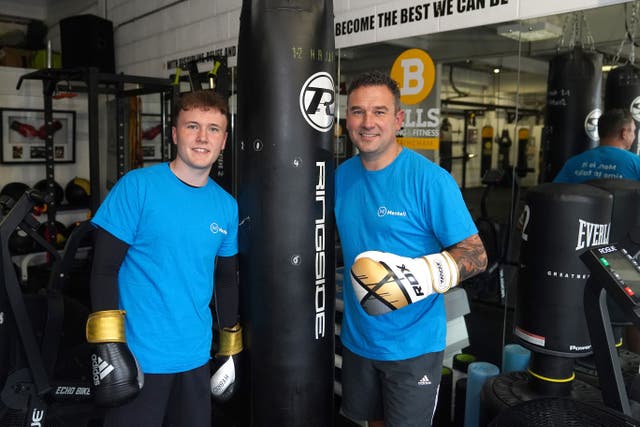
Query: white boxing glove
(384,282)
(225,364)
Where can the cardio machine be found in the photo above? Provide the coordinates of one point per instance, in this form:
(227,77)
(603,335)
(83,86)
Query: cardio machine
(616,273)
(44,359)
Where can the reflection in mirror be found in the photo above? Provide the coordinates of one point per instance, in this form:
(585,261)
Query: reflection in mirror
(513,100)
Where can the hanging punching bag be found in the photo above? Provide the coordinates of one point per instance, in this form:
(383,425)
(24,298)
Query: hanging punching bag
(286,103)
(504,149)
(523,143)
(622,90)
(445,150)
(487,149)
(573,108)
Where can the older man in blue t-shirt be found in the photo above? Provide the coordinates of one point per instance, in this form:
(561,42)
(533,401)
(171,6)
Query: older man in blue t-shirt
(612,158)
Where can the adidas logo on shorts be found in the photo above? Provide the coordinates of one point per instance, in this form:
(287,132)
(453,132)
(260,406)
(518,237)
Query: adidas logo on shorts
(424,381)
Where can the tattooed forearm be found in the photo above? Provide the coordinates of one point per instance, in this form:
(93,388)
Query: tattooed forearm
(470,256)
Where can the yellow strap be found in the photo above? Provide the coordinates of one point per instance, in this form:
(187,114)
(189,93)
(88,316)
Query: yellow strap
(553,380)
(230,341)
(106,326)
(214,70)
(176,79)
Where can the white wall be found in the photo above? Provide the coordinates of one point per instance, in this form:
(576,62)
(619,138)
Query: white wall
(30,96)
(35,9)
(145,45)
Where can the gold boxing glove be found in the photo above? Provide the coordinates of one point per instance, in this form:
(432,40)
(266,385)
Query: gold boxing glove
(384,282)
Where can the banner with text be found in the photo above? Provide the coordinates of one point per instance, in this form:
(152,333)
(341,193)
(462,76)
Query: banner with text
(399,19)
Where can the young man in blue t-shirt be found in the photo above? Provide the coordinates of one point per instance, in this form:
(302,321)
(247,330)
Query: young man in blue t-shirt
(406,237)
(161,230)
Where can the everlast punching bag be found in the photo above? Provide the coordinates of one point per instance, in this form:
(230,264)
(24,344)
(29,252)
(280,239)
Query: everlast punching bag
(622,90)
(286,103)
(573,108)
(559,222)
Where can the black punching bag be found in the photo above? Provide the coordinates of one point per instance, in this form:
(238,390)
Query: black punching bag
(286,103)
(523,142)
(559,222)
(573,108)
(486,150)
(445,149)
(622,90)
(504,150)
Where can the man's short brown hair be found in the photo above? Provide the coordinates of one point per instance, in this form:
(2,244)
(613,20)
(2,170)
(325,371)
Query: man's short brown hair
(202,99)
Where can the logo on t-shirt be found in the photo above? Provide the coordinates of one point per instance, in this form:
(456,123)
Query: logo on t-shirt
(215,229)
(384,211)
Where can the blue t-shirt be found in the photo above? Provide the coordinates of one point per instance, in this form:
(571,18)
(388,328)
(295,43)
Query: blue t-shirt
(411,208)
(166,279)
(603,162)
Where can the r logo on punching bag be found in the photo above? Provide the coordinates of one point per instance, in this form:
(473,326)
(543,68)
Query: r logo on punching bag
(591,124)
(634,108)
(317,101)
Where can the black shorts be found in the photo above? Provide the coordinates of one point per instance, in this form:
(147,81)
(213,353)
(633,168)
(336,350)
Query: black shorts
(169,400)
(403,393)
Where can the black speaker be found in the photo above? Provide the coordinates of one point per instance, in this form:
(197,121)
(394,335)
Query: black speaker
(87,41)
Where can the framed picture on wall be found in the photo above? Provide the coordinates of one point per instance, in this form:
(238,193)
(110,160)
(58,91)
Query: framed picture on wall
(23,136)
(151,137)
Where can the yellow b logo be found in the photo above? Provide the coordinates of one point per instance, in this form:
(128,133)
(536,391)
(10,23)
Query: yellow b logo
(415,73)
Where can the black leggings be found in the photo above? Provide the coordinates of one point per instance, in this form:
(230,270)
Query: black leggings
(167,400)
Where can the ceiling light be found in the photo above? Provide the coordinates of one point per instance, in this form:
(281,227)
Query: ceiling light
(530,32)
(496,70)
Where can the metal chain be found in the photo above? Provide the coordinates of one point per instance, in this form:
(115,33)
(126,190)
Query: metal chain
(632,25)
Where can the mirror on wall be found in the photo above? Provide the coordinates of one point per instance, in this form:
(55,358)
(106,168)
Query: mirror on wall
(494,98)
(492,81)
